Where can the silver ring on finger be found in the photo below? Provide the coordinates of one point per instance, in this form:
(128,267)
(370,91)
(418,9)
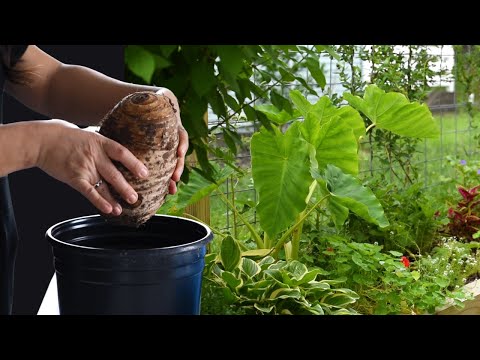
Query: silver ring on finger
(98,183)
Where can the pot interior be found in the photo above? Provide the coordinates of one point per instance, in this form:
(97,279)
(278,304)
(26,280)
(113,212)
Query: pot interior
(159,232)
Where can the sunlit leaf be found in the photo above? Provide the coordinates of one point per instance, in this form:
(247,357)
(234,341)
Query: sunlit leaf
(280,169)
(140,61)
(392,111)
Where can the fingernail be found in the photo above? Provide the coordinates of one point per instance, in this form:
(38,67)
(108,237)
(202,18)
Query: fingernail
(132,198)
(143,172)
(117,210)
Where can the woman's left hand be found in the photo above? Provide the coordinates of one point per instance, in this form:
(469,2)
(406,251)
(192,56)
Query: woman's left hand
(182,141)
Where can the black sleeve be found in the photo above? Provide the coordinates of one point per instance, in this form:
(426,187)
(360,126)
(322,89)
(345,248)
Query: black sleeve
(17,53)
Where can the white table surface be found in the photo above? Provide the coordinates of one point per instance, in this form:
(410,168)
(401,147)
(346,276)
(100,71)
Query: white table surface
(49,304)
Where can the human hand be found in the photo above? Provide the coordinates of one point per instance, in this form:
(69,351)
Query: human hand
(80,158)
(182,141)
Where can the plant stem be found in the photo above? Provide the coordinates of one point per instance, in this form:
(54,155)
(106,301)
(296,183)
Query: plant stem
(285,236)
(267,241)
(298,231)
(234,213)
(296,241)
(256,237)
(372,125)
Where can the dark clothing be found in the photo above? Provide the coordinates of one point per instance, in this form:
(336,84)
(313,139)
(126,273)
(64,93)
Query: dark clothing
(8,229)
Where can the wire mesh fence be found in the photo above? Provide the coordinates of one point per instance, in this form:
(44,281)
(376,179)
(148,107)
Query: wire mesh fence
(457,135)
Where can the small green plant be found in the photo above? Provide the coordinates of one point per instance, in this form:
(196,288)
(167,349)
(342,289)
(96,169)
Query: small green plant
(386,282)
(455,260)
(275,287)
(413,220)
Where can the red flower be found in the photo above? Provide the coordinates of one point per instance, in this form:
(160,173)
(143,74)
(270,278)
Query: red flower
(405,261)
(329,249)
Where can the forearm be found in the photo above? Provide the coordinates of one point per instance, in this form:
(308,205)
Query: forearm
(19,146)
(83,96)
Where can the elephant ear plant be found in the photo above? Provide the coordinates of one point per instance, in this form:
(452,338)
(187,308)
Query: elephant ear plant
(322,152)
(313,164)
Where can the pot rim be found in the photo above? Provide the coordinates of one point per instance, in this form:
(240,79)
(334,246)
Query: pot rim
(178,248)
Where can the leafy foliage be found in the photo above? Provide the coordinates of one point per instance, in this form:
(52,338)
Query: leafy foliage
(408,70)
(384,110)
(229,79)
(386,282)
(414,220)
(287,167)
(274,287)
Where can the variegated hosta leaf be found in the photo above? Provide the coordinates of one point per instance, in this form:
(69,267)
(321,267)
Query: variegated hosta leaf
(230,253)
(250,267)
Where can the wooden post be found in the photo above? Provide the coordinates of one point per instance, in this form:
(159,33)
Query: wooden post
(201,209)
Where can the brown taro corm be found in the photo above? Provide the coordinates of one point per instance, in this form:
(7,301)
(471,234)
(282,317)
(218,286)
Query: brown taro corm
(145,123)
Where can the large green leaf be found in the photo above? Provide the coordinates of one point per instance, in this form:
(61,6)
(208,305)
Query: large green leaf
(338,212)
(347,191)
(334,143)
(334,132)
(302,104)
(280,169)
(323,110)
(392,111)
(140,61)
(352,118)
(230,253)
(197,188)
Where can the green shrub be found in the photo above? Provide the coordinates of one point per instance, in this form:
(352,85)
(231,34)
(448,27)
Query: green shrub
(390,282)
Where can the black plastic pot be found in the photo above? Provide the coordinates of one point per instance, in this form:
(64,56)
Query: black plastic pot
(108,269)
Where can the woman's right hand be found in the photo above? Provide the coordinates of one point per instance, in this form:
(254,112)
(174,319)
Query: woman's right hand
(80,158)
